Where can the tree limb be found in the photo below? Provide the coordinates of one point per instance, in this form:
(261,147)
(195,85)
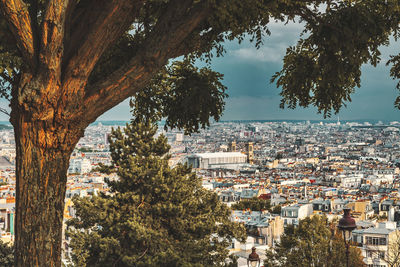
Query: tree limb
(161,44)
(3,110)
(52,36)
(19,20)
(313,19)
(93,28)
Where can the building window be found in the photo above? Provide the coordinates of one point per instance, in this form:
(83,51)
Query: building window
(371,241)
(376,240)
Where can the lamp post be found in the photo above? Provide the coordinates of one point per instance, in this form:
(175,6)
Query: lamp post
(347,224)
(253,258)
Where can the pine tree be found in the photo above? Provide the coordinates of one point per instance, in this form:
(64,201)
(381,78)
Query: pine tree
(155,216)
(254,204)
(6,255)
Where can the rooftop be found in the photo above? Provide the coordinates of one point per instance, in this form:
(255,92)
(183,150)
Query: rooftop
(218,155)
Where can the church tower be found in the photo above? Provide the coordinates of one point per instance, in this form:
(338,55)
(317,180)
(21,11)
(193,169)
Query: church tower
(232,146)
(250,154)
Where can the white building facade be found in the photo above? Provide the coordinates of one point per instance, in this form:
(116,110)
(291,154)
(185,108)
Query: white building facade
(216,160)
(293,214)
(79,166)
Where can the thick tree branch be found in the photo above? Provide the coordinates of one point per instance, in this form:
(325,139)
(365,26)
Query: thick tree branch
(50,52)
(100,24)
(52,36)
(71,10)
(33,13)
(161,44)
(19,20)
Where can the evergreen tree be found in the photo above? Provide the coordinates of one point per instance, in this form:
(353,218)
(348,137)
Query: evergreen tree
(314,243)
(276,209)
(254,204)
(155,215)
(6,255)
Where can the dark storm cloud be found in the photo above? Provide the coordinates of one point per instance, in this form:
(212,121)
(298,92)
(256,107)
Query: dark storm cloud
(248,71)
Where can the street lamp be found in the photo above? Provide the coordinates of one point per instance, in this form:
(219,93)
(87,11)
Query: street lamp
(253,258)
(347,224)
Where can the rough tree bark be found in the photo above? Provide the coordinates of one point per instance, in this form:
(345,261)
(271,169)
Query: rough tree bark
(41,169)
(52,103)
(44,144)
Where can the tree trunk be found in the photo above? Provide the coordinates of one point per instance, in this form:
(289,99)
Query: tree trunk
(43,149)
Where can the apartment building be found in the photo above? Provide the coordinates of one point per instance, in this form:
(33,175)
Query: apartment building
(292,214)
(378,244)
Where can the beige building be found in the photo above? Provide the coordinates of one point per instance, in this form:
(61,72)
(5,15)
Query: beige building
(378,245)
(263,228)
(273,231)
(361,209)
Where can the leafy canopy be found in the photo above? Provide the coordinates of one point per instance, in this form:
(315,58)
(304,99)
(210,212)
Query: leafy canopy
(253,204)
(324,67)
(6,254)
(183,94)
(313,243)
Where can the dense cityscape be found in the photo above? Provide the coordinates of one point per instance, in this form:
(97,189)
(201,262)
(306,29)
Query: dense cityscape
(303,168)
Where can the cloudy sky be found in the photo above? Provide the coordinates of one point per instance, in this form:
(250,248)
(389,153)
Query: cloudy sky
(248,71)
